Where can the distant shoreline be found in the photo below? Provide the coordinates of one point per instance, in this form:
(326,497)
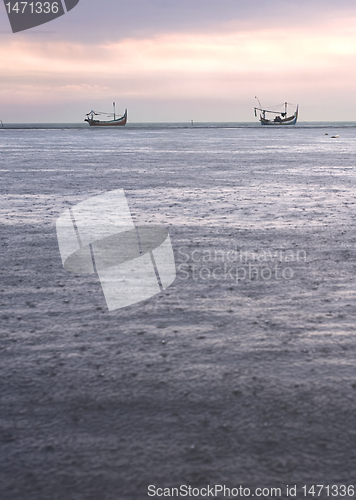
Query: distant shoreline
(176,125)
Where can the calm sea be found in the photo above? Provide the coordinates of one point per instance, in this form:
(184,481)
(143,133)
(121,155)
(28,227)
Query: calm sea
(241,372)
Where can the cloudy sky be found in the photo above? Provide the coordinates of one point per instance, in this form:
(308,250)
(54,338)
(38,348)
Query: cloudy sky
(178,60)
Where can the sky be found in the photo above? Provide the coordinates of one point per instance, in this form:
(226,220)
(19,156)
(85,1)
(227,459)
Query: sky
(173,61)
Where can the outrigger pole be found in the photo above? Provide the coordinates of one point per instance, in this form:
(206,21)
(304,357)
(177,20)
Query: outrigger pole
(260,105)
(268,111)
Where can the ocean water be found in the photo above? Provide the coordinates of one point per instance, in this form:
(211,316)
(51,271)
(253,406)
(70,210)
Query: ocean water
(242,372)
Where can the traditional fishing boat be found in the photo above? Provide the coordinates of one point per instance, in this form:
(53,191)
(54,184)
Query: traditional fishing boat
(281,117)
(116,122)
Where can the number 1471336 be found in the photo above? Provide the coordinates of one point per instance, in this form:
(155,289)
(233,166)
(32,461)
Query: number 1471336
(33,7)
(335,490)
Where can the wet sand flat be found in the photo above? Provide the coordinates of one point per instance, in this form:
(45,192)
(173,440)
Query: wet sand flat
(242,372)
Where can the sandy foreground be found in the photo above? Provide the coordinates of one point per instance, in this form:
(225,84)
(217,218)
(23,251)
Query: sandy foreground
(224,378)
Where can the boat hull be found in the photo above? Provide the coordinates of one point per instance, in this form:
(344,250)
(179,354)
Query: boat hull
(120,122)
(292,120)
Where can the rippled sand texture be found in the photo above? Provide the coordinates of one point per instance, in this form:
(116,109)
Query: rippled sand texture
(215,380)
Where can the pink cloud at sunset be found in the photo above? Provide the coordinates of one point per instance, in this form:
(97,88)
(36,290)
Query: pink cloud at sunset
(306,65)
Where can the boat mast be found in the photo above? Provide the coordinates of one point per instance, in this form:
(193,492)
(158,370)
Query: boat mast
(114,111)
(285,108)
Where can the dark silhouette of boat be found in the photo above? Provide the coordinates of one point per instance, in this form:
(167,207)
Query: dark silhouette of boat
(281,117)
(116,122)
